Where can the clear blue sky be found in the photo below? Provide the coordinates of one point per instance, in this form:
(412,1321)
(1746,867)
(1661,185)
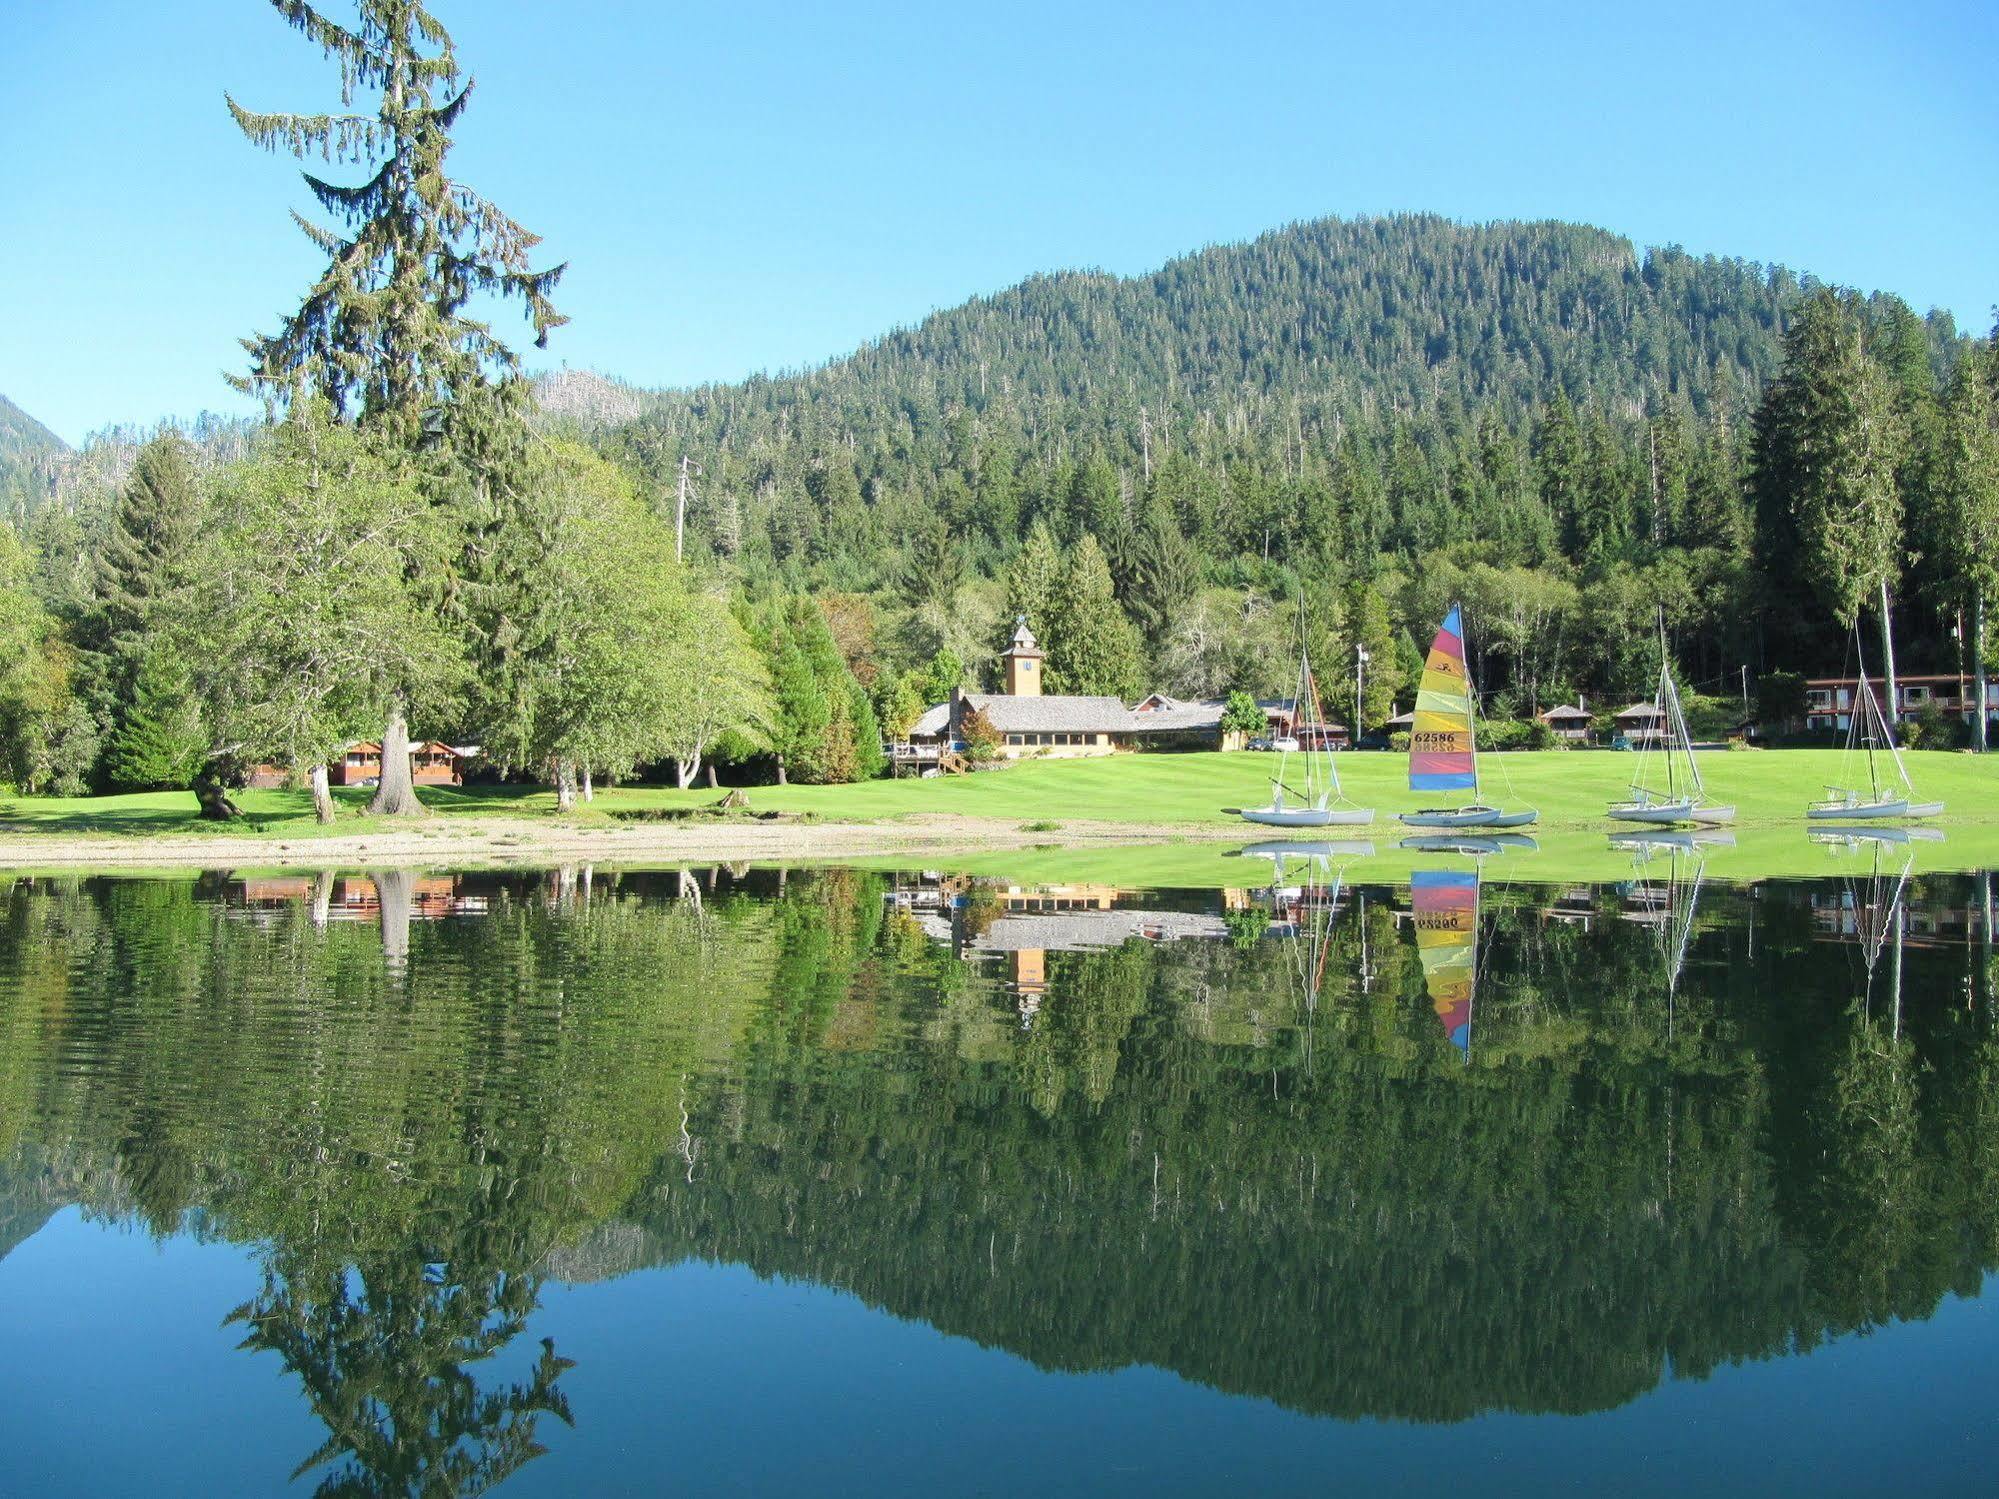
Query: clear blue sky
(755,186)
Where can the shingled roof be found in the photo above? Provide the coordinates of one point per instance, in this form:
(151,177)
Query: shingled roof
(1041,715)
(1038,715)
(1160,714)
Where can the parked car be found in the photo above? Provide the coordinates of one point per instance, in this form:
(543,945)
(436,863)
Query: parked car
(1262,742)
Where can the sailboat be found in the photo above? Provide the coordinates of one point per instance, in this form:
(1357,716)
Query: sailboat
(1443,749)
(1684,798)
(1444,905)
(1867,728)
(1320,796)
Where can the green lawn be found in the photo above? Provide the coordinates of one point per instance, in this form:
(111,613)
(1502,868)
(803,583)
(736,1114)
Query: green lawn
(1570,788)
(1183,793)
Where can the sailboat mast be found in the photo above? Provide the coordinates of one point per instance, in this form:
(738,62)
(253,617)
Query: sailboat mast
(1686,741)
(1471,720)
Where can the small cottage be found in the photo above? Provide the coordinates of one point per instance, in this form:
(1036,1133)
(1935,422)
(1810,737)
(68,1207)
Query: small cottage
(1568,722)
(1640,724)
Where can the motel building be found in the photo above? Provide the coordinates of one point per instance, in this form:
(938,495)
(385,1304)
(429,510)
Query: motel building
(1829,700)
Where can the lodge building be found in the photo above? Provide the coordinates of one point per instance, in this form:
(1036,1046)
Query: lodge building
(1027,722)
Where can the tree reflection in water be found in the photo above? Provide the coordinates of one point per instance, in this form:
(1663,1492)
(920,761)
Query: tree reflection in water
(421,1096)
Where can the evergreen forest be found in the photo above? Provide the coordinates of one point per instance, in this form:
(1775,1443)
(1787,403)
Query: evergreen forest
(1342,426)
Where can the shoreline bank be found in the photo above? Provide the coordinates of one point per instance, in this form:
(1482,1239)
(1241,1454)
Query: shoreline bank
(465,843)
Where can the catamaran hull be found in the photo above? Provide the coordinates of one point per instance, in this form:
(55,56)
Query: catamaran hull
(1338,848)
(1470,817)
(1859,811)
(1670,814)
(1309,817)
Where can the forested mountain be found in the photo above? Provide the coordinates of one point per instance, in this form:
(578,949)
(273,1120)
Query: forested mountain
(1407,313)
(1341,427)
(28,451)
(1536,418)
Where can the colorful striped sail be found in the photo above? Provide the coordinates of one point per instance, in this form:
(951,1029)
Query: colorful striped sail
(1445,903)
(1440,742)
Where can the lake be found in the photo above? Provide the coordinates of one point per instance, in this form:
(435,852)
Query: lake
(847,1182)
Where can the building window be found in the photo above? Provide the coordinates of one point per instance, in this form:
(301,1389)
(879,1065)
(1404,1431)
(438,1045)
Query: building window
(1916,694)
(1821,698)
(1014,739)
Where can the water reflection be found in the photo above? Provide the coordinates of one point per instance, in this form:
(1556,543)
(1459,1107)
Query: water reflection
(1414,1152)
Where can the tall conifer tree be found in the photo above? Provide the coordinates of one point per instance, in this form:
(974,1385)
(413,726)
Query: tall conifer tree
(1831,444)
(383,333)
(1965,526)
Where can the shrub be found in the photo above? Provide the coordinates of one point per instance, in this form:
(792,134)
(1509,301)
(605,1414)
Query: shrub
(1513,734)
(1929,727)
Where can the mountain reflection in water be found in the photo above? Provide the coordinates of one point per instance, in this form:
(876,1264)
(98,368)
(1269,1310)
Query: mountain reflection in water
(1220,1132)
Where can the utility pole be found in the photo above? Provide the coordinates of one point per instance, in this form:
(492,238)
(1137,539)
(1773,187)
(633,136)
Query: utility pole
(1888,652)
(1978,728)
(1359,677)
(680,512)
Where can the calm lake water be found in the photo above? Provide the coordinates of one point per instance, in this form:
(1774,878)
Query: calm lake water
(850,1183)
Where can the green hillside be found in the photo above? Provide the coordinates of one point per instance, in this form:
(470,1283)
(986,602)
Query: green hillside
(1539,420)
(27,449)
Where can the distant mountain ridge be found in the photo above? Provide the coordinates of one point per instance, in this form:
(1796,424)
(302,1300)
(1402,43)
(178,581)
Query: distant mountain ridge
(29,454)
(1406,312)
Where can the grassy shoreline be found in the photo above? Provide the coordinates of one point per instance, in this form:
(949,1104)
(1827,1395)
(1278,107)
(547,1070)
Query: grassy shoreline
(1133,818)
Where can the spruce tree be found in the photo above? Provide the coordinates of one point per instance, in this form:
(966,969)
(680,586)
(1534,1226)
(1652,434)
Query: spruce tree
(1559,464)
(160,741)
(146,555)
(1093,648)
(1830,450)
(1965,521)
(383,333)
(798,730)
(1032,579)
(1164,575)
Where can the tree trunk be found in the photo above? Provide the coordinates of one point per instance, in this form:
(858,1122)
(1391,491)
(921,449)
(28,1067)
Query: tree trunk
(396,796)
(684,771)
(1894,703)
(565,786)
(322,898)
(589,787)
(712,782)
(1978,728)
(780,772)
(322,793)
(214,797)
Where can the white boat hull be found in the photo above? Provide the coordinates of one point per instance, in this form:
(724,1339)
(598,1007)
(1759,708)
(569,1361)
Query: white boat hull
(1893,806)
(1469,817)
(1309,817)
(1670,814)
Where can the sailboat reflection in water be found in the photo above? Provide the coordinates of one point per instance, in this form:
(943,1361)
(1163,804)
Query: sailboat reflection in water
(1445,907)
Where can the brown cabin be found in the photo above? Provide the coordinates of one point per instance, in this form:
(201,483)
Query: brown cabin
(432,763)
